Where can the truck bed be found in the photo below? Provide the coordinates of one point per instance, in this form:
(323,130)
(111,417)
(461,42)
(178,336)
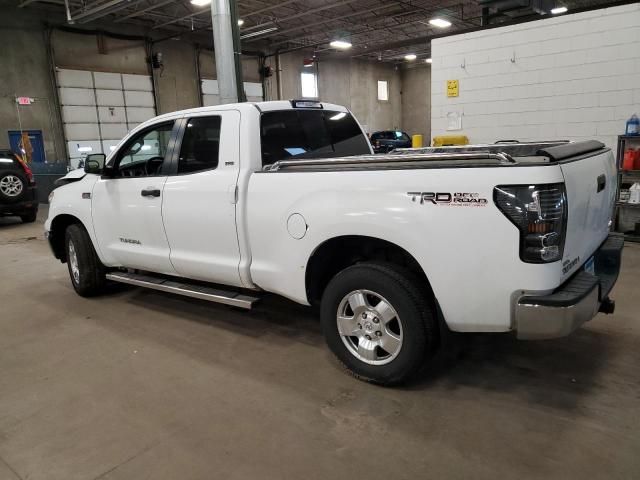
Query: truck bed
(466,156)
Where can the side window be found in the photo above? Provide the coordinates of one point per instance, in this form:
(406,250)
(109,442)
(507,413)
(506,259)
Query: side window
(143,155)
(200,145)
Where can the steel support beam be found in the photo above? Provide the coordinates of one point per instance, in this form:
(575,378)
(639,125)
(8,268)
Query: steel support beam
(137,13)
(226,44)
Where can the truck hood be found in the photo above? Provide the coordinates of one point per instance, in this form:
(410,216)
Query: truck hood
(76,174)
(70,177)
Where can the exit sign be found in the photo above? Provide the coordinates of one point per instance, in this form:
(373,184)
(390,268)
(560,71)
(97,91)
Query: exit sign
(24,100)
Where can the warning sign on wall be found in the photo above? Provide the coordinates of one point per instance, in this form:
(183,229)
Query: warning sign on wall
(452,88)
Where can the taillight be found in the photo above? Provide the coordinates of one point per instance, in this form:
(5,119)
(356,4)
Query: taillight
(540,213)
(27,170)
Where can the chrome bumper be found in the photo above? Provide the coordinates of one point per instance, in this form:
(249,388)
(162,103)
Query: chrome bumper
(576,301)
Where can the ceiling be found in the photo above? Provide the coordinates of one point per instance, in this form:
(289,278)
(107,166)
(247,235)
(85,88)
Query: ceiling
(378,29)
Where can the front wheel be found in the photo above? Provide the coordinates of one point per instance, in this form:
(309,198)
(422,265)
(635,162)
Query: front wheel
(379,322)
(87,273)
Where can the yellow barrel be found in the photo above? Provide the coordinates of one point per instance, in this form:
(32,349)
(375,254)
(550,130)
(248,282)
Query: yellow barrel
(416,141)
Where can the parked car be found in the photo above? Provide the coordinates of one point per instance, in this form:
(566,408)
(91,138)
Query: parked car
(224,202)
(387,140)
(18,195)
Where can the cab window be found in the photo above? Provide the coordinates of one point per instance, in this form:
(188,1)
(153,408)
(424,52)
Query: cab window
(144,154)
(298,134)
(200,145)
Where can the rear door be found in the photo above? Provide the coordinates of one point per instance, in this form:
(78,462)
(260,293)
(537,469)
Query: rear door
(591,188)
(199,199)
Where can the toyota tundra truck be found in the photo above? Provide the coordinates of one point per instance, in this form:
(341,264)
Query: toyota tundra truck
(227,202)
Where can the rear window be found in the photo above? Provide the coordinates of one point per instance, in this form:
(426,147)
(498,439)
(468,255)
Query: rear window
(298,134)
(7,158)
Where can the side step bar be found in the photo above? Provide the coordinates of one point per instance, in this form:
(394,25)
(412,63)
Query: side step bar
(201,292)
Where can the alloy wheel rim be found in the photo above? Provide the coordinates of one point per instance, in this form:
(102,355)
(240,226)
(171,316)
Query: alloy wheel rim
(369,327)
(73,263)
(11,186)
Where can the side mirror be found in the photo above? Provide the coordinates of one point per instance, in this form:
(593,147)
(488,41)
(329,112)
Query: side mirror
(94,163)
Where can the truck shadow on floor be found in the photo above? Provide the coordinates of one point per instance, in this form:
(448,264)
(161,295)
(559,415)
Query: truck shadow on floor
(554,373)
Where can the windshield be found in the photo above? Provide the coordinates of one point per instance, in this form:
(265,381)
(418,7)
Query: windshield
(298,134)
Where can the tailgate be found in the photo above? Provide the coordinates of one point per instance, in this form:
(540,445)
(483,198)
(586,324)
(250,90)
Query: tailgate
(590,181)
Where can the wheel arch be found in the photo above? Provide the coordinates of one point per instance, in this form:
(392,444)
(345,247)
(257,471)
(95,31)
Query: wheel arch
(337,253)
(59,225)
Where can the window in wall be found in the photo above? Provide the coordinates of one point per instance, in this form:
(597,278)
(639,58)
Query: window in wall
(200,145)
(309,85)
(383,90)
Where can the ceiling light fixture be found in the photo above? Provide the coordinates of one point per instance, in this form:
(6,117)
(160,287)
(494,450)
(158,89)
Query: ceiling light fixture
(557,10)
(259,32)
(440,22)
(240,22)
(410,56)
(341,44)
(428,60)
(200,3)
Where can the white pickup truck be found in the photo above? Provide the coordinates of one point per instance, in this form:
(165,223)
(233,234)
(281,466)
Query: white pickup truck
(221,203)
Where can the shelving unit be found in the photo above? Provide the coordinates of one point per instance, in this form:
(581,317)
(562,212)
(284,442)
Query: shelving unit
(626,177)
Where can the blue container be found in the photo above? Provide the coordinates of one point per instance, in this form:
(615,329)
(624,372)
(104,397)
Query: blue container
(633,126)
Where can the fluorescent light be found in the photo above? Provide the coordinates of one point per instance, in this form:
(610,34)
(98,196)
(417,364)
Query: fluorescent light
(557,10)
(259,32)
(240,22)
(341,44)
(440,22)
(338,116)
(145,147)
(85,149)
(410,56)
(428,60)
(200,3)
(112,147)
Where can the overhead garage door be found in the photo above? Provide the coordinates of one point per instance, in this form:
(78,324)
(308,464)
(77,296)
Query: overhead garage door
(99,108)
(211,92)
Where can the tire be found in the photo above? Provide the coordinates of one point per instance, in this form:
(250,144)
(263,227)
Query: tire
(85,269)
(13,186)
(408,331)
(29,217)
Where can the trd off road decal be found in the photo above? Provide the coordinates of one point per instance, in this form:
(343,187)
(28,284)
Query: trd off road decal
(457,199)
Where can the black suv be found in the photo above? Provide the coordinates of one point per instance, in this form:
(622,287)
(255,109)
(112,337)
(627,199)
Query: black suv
(18,195)
(387,140)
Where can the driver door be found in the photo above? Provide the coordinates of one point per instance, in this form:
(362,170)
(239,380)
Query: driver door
(127,204)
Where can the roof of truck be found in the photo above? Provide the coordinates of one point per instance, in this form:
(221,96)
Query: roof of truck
(261,106)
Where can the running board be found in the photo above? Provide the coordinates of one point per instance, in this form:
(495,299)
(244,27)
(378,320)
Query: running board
(201,292)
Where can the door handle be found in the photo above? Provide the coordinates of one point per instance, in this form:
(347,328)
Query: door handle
(150,192)
(602,182)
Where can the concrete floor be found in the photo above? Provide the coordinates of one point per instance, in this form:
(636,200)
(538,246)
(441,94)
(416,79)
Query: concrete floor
(141,385)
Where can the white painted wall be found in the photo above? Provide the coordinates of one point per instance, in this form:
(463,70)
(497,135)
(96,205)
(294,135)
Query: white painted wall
(574,77)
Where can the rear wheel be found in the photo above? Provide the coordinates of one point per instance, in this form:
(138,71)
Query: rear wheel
(87,273)
(13,186)
(378,322)
(29,217)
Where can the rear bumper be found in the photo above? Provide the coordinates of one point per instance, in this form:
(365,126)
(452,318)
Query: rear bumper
(23,207)
(576,301)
